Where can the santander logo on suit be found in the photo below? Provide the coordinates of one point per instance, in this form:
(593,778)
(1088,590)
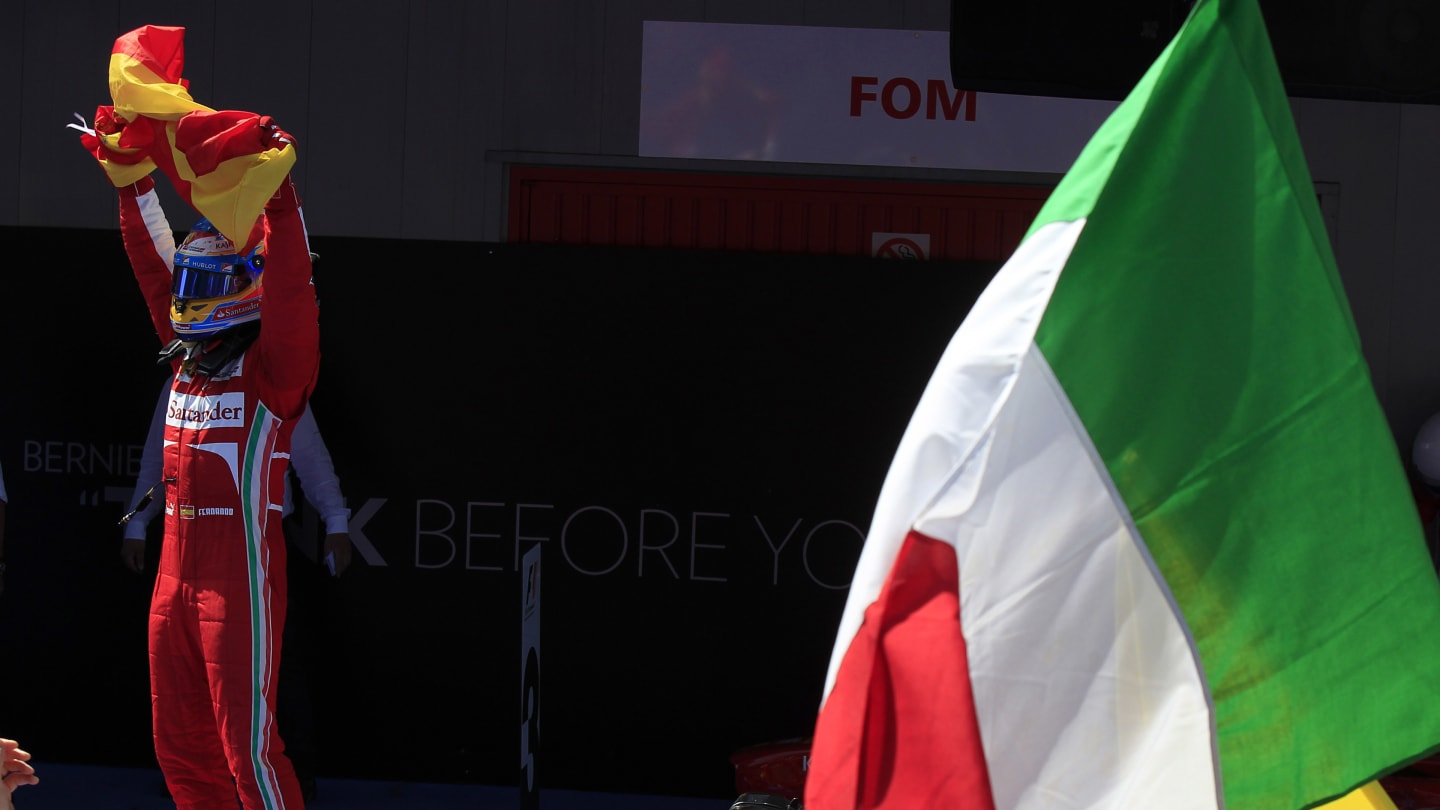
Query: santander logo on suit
(201,411)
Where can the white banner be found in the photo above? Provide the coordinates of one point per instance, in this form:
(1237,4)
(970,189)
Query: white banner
(841,95)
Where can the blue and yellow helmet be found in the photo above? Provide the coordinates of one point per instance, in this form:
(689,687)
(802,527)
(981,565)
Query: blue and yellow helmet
(213,287)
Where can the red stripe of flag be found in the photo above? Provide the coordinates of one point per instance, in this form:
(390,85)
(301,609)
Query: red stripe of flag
(208,139)
(906,668)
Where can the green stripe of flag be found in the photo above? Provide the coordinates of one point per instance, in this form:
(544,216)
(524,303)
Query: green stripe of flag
(1201,332)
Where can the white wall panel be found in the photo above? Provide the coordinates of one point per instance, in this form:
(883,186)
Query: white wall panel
(452,91)
(624,23)
(354,143)
(63,63)
(760,12)
(1415,329)
(12,42)
(1355,146)
(554,93)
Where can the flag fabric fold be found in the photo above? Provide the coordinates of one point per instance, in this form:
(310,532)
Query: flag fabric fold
(1187,572)
(146,74)
(217,160)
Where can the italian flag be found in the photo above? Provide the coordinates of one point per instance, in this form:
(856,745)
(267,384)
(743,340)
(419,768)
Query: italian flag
(1147,541)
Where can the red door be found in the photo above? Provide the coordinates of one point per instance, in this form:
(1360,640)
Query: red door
(663,209)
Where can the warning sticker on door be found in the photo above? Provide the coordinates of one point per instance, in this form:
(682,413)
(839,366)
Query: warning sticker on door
(900,245)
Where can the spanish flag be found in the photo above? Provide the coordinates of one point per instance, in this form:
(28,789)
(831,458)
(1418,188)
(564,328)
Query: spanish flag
(217,160)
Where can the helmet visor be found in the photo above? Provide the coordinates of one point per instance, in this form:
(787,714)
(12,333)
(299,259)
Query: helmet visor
(191,282)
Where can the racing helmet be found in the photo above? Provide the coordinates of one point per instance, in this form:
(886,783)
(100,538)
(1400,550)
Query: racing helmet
(213,287)
(1426,451)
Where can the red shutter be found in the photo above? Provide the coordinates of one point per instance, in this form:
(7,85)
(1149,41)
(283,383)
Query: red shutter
(662,209)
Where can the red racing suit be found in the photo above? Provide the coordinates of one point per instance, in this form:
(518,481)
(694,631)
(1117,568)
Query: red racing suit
(219,601)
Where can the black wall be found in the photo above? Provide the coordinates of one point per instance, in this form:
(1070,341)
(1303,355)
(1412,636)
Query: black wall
(1380,51)
(661,423)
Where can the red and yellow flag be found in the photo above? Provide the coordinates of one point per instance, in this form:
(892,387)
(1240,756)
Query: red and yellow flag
(221,162)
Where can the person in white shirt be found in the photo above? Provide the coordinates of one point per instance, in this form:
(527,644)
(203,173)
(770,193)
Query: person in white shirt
(309,462)
(313,472)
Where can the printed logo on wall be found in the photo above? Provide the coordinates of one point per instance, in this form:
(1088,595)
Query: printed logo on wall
(900,245)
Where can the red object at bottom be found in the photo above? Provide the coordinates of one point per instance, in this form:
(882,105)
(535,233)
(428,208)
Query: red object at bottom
(1416,787)
(778,768)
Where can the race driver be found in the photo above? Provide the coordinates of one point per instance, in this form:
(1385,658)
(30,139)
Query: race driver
(239,326)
